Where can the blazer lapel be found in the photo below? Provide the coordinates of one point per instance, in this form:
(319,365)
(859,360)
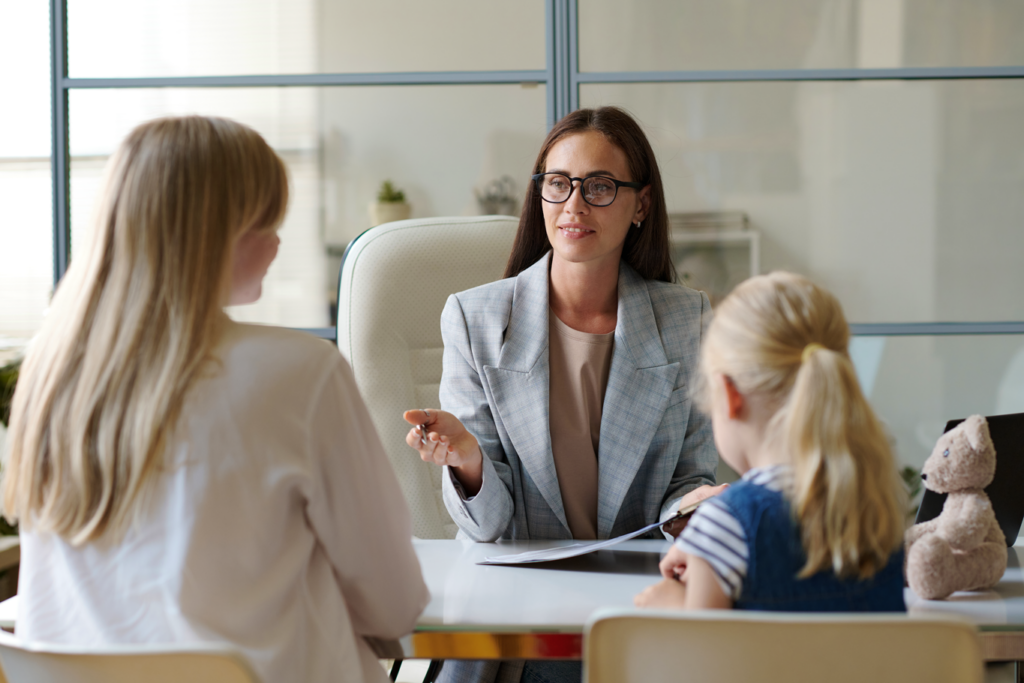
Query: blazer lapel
(639,384)
(520,383)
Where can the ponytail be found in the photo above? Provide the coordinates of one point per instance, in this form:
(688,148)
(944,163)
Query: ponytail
(846,497)
(781,337)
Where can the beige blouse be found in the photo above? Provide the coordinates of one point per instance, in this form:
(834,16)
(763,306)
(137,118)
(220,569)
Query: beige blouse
(579,364)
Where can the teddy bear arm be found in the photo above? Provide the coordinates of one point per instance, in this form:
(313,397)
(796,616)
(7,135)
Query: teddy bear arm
(966,520)
(995,532)
(918,531)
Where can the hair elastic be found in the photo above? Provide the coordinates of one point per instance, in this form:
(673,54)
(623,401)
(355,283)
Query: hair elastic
(808,350)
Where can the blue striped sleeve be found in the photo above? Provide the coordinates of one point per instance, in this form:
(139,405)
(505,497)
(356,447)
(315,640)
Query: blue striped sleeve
(715,536)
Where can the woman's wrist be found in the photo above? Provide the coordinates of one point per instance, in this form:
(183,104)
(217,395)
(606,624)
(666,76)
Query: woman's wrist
(471,473)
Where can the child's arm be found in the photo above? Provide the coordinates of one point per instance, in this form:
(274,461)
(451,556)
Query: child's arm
(673,565)
(666,594)
(702,588)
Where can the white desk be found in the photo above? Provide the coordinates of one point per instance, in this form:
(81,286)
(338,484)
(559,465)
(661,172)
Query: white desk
(998,612)
(494,612)
(524,612)
(538,612)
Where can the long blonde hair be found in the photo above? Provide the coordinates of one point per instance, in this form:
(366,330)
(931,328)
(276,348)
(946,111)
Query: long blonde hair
(782,338)
(133,323)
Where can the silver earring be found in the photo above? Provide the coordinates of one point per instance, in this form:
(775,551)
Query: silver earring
(637,224)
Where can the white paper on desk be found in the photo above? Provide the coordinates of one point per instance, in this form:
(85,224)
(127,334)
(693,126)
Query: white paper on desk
(565,552)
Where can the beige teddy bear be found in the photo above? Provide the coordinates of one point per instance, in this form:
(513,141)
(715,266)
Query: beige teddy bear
(963,548)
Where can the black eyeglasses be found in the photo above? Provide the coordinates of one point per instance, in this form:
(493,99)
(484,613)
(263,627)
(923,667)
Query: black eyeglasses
(598,190)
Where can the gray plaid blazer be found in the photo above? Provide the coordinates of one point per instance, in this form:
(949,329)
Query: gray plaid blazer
(654,446)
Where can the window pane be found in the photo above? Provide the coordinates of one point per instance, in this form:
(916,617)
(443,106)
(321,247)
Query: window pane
(234,37)
(916,384)
(659,35)
(26,207)
(902,197)
(436,143)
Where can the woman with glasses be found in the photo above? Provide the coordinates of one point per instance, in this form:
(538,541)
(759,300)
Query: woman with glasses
(565,392)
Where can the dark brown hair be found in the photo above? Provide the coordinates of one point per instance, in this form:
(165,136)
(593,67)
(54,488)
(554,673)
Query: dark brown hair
(646,248)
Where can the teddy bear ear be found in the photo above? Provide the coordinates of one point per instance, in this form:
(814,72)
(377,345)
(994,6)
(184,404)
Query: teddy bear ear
(976,430)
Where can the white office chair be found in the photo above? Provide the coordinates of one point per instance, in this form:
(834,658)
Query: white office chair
(630,646)
(394,282)
(27,662)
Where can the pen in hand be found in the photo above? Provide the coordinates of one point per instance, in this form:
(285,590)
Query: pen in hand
(423,429)
(674,525)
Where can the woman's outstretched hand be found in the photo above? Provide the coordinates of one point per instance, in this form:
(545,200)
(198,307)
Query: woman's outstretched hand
(675,527)
(447,442)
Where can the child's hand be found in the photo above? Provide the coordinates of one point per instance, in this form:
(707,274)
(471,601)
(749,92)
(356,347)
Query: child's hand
(667,593)
(673,565)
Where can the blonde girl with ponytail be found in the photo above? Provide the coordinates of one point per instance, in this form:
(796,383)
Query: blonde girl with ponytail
(179,477)
(816,522)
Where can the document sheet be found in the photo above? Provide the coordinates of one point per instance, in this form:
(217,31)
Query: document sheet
(577,549)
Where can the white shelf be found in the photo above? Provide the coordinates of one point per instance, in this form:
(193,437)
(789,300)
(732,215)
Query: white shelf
(712,236)
(724,243)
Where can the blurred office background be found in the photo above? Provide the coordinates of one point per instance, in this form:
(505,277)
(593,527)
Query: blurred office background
(873,145)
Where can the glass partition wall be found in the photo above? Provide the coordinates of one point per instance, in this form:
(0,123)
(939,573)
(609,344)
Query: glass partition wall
(26,251)
(436,143)
(873,145)
(441,99)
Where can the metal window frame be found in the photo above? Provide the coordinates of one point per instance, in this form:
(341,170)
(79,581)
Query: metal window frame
(316,80)
(561,76)
(60,161)
(777,75)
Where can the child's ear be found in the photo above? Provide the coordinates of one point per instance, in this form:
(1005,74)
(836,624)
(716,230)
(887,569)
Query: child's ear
(737,403)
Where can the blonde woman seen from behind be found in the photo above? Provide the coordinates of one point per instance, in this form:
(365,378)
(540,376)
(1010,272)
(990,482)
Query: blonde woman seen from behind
(816,522)
(179,477)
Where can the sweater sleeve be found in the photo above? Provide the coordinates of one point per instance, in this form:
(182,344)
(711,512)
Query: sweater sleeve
(359,514)
(485,516)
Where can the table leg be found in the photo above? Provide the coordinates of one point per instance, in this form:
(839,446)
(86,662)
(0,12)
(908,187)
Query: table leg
(433,670)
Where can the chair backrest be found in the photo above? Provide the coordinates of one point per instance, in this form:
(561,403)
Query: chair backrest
(394,282)
(27,662)
(627,646)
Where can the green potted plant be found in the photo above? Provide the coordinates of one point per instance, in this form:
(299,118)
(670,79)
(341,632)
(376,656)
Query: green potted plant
(911,477)
(8,378)
(390,205)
